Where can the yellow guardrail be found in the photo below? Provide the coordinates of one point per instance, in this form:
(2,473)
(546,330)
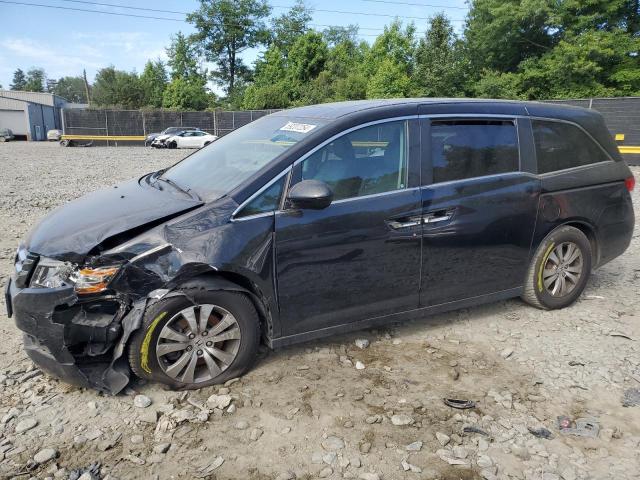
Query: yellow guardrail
(124,138)
(629,149)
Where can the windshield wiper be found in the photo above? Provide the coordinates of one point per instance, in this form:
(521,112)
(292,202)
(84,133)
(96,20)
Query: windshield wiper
(176,186)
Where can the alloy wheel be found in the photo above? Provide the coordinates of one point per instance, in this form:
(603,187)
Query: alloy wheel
(563,269)
(198,343)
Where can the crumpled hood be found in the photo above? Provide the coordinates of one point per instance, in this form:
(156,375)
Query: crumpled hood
(71,231)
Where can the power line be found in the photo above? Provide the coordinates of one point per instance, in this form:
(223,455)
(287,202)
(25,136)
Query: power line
(84,10)
(58,7)
(389,2)
(103,4)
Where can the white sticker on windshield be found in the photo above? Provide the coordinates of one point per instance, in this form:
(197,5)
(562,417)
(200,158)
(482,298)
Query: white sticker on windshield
(298,127)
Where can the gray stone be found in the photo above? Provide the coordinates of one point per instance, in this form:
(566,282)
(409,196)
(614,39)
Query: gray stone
(369,476)
(26,424)
(414,447)
(332,443)
(362,343)
(325,472)
(460,452)
(329,458)
(442,438)
(44,455)
(484,461)
(219,401)
(447,456)
(161,448)
(137,439)
(256,433)
(141,401)
(401,419)
(365,447)
(360,365)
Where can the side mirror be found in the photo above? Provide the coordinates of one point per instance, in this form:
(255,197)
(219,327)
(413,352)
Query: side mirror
(311,194)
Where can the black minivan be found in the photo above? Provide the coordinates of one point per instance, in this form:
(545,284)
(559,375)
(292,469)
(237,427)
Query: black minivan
(320,220)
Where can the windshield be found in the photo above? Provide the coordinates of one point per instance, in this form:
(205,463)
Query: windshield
(223,165)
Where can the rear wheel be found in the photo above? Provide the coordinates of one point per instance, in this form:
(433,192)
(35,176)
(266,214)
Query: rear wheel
(192,344)
(172,145)
(559,270)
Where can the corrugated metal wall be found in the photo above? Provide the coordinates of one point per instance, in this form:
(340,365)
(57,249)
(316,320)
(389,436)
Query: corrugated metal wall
(623,119)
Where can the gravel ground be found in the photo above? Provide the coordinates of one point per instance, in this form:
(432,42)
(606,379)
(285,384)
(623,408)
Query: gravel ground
(308,411)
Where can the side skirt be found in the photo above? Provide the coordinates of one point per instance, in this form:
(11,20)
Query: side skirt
(394,317)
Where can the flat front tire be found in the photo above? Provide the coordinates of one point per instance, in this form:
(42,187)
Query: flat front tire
(559,270)
(195,340)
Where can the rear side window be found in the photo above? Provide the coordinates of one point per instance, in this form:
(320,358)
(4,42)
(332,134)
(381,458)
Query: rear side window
(473,148)
(562,145)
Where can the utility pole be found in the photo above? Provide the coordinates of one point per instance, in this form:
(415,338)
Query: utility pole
(86,86)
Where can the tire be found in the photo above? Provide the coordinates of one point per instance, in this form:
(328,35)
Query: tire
(146,362)
(172,145)
(541,287)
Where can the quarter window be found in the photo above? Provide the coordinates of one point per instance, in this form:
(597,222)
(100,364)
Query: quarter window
(562,145)
(267,201)
(473,148)
(366,161)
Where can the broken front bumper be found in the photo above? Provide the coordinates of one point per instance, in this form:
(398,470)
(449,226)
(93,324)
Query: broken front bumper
(79,342)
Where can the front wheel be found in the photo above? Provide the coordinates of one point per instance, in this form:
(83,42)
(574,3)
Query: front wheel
(193,341)
(559,270)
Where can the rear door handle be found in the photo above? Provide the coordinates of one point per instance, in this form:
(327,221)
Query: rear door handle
(438,216)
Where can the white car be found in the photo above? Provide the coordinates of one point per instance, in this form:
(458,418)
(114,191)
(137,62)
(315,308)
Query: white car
(190,139)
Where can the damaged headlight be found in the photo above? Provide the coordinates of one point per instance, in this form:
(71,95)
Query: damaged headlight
(51,273)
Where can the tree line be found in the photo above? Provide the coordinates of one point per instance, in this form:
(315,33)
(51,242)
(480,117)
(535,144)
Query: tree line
(516,49)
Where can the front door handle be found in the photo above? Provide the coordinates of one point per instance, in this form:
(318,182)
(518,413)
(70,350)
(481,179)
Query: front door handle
(438,216)
(404,222)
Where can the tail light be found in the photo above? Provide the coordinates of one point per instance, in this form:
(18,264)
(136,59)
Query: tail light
(630,183)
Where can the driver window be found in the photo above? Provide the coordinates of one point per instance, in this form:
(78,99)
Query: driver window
(367,161)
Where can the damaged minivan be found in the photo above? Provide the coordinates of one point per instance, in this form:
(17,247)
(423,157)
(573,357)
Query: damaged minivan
(315,221)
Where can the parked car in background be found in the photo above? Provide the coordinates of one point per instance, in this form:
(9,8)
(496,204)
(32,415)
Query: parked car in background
(191,139)
(6,135)
(315,221)
(54,135)
(167,132)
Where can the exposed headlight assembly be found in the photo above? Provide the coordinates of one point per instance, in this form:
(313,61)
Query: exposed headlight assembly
(50,273)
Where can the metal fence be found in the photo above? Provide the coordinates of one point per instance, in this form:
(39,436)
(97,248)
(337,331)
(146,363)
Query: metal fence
(622,116)
(140,122)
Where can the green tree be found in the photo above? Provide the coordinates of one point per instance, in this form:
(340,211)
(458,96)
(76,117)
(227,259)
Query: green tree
(390,81)
(35,80)
(291,25)
(19,80)
(438,71)
(226,28)
(154,81)
(498,85)
(502,33)
(307,57)
(71,88)
(183,57)
(117,88)
(186,94)
(395,44)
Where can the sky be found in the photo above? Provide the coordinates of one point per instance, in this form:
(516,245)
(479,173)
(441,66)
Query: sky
(64,42)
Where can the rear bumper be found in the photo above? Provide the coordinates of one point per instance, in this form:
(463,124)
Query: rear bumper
(69,340)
